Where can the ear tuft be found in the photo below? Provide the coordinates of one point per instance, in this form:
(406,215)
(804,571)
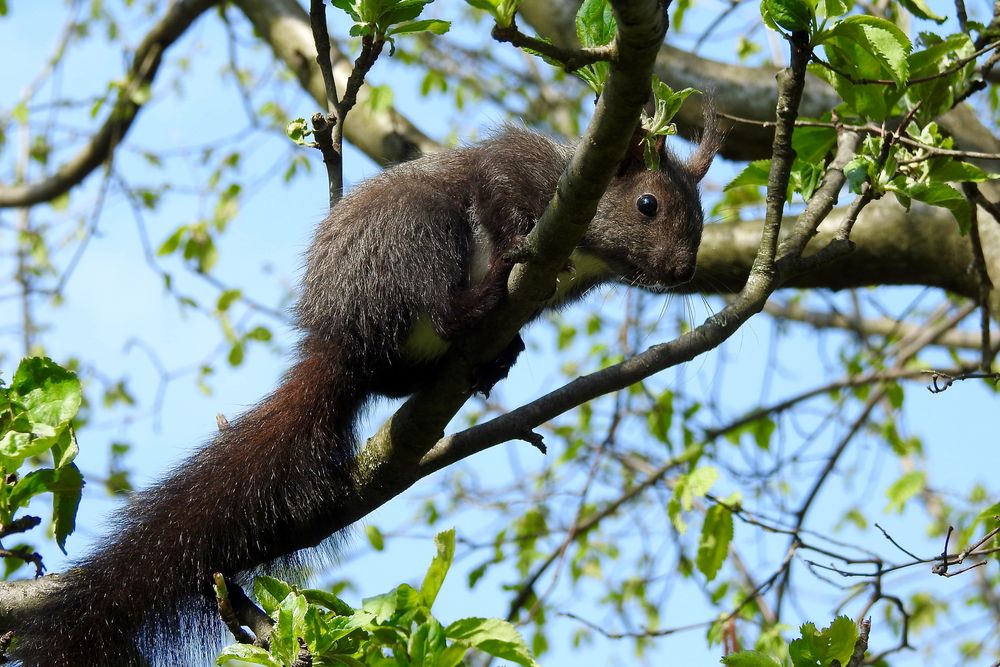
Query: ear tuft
(709,144)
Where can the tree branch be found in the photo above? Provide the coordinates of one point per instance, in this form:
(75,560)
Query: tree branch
(145,64)
(387,136)
(389,463)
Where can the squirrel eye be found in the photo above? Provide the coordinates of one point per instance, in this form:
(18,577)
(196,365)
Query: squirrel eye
(647,205)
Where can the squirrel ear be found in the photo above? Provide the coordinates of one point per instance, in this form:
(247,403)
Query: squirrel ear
(634,159)
(708,145)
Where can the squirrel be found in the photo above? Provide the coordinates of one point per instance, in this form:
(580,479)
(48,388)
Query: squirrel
(404,263)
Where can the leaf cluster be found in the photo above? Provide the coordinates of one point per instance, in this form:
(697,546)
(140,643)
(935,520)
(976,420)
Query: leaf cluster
(36,422)
(395,629)
(828,647)
(383,19)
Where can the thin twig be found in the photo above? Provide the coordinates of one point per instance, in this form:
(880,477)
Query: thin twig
(569,59)
(983,275)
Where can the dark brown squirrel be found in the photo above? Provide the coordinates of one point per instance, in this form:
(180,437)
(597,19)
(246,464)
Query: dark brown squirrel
(403,264)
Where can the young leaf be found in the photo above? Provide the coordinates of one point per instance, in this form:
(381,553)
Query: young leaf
(905,488)
(245,654)
(920,9)
(791,15)
(494,636)
(936,194)
(382,607)
(445,542)
(42,399)
(716,535)
(595,23)
(823,647)
(754,173)
(270,592)
(880,38)
(290,626)
(749,659)
(328,600)
(375,538)
(67,489)
(436,26)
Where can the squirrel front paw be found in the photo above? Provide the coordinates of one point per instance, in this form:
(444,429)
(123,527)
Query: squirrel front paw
(485,377)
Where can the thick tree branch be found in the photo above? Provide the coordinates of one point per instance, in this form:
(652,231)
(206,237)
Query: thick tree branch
(892,246)
(880,326)
(145,64)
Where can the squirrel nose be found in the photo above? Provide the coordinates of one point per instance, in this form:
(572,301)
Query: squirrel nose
(684,272)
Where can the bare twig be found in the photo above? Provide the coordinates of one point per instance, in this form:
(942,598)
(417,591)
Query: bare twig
(569,59)
(983,275)
(948,380)
(321,37)
(861,645)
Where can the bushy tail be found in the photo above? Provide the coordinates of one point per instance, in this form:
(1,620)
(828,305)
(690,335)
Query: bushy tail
(261,490)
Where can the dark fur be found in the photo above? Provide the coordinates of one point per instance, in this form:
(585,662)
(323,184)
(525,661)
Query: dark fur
(399,247)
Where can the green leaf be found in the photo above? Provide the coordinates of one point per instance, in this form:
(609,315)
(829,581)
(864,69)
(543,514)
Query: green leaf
(171,243)
(750,659)
(831,8)
(20,113)
(262,334)
(375,538)
(595,23)
(754,174)
(791,15)
(400,13)
(352,9)
(667,104)
(42,399)
(382,607)
(920,9)
(494,636)
(238,655)
(297,130)
(341,626)
(988,516)
(227,298)
(290,625)
(813,144)
(905,488)
(716,535)
(50,393)
(452,655)
(936,194)
(328,600)
(690,486)
(660,417)
(436,26)
(67,489)
(821,648)
(270,592)
(489,6)
(445,542)
(880,38)
(937,94)
(950,170)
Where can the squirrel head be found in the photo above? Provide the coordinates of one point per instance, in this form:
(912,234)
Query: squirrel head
(648,223)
